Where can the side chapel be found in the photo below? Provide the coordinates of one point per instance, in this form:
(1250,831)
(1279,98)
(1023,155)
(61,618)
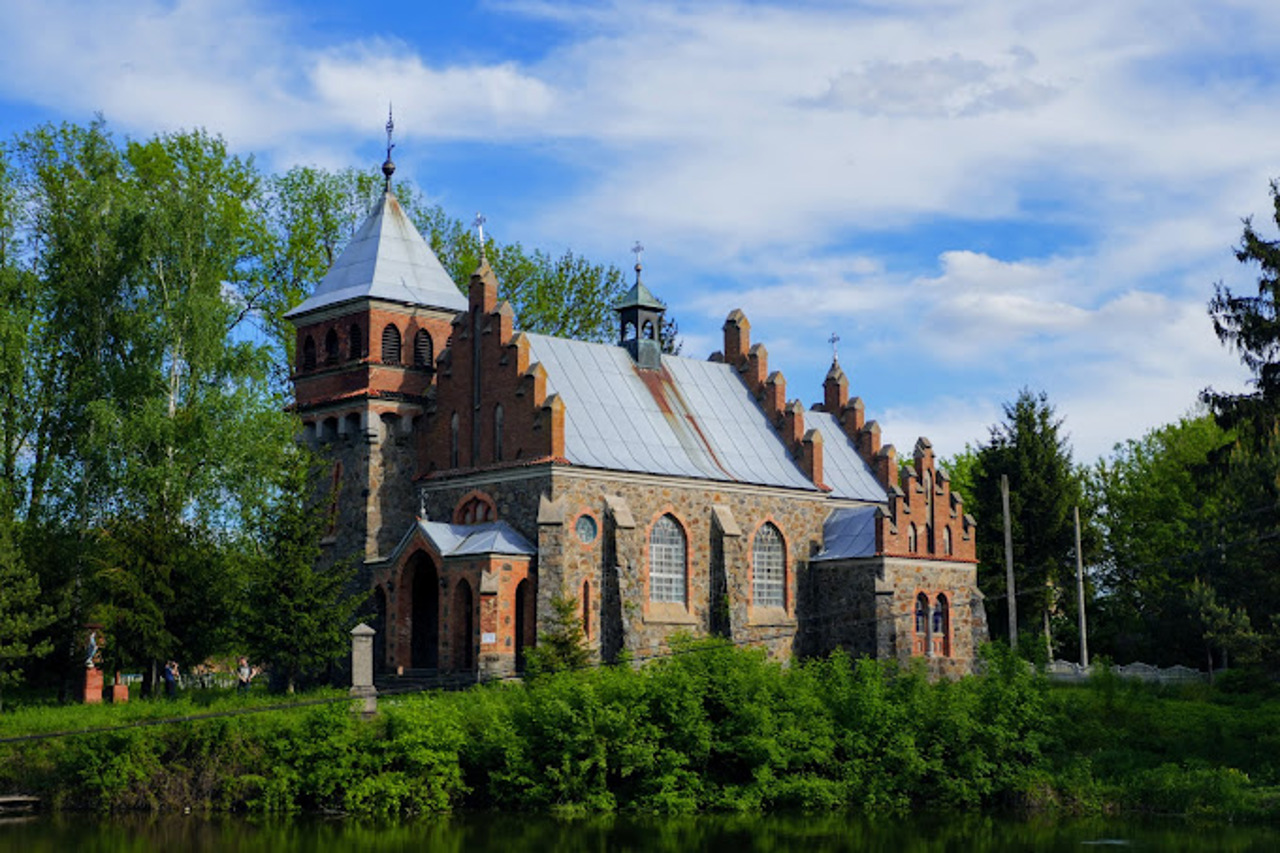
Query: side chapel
(478,471)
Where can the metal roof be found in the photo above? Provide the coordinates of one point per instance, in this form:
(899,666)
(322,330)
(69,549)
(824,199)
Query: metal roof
(692,418)
(386,259)
(466,540)
(848,533)
(843,468)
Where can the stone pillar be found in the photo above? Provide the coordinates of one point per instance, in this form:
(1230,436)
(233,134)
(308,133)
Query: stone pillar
(362,669)
(92,686)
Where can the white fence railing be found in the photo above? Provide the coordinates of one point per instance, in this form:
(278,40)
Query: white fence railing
(1061,670)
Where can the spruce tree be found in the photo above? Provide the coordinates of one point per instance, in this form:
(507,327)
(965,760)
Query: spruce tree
(1030,448)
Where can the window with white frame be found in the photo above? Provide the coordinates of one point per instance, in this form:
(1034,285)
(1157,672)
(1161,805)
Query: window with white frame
(768,568)
(667,562)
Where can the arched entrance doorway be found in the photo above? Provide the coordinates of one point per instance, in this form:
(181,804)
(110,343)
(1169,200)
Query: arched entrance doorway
(424,620)
(522,621)
(463,634)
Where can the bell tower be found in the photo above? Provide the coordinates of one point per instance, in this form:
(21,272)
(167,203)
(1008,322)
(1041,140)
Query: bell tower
(367,340)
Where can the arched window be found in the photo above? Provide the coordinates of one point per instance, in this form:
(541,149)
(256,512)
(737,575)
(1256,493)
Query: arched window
(768,568)
(308,354)
(922,618)
(586,609)
(390,345)
(628,332)
(355,343)
(331,347)
(422,349)
(941,627)
(497,432)
(912,538)
(647,331)
(946,541)
(667,562)
(454,428)
(475,511)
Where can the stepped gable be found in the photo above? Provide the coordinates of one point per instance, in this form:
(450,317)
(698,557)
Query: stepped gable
(924,516)
(386,259)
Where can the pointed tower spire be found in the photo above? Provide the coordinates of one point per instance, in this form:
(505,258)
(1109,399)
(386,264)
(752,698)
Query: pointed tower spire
(389,167)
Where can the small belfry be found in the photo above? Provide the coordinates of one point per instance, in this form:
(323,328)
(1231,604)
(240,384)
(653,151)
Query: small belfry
(640,316)
(480,471)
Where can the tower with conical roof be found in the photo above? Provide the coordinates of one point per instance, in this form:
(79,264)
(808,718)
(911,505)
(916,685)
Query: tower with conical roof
(367,340)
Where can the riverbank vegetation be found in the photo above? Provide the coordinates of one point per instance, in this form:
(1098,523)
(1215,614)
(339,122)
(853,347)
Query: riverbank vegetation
(712,728)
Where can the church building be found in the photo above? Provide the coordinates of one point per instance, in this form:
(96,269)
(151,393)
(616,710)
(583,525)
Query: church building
(479,471)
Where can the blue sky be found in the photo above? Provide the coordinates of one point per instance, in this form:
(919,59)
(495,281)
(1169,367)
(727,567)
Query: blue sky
(976,195)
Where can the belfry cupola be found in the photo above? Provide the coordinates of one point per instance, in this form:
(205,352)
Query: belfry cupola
(640,316)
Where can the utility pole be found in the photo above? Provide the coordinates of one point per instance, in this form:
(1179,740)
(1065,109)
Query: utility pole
(1008,564)
(1084,630)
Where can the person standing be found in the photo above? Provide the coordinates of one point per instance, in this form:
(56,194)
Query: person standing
(244,675)
(171,679)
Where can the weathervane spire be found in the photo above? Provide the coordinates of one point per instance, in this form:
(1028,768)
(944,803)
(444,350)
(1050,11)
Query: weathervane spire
(478,224)
(388,167)
(638,250)
(835,355)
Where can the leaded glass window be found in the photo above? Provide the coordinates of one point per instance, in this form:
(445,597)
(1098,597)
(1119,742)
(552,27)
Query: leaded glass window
(667,562)
(768,568)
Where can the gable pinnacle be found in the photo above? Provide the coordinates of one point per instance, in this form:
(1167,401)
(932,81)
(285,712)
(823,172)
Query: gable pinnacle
(389,167)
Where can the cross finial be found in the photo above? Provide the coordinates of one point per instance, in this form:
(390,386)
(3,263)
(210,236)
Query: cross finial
(638,250)
(478,224)
(833,340)
(388,167)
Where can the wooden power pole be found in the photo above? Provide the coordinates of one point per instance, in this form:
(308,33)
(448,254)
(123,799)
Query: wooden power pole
(1084,631)
(1008,563)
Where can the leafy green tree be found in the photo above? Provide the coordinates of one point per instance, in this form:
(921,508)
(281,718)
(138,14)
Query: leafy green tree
(1031,448)
(296,615)
(22,613)
(1159,512)
(562,645)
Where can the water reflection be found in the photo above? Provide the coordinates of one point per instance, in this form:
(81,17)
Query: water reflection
(736,834)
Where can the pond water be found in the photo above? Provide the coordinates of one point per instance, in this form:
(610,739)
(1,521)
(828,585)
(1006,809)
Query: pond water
(474,833)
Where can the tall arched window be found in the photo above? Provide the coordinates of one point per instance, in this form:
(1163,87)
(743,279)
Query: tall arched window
(946,541)
(912,540)
(768,568)
(921,644)
(667,562)
(497,432)
(390,344)
(331,347)
(422,349)
(942,627)
(308,354)
(454,428)
(355,343)
(586,609)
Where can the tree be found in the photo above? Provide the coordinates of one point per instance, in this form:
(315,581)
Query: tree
(1031,449)
(22,613)
(296,616)
(1249,465)
(1160,509)
(562,645)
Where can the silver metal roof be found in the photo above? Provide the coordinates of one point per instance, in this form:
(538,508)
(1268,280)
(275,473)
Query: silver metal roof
(386,259)
(691,419)
(843,469)
(465,540)
(848,533)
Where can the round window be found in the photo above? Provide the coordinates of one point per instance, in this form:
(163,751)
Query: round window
(586,529)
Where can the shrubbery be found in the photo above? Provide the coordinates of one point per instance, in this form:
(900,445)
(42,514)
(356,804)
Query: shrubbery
(709,728)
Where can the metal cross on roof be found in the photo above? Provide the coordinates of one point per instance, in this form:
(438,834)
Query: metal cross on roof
(833,340)
(638,250)
(478,224)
